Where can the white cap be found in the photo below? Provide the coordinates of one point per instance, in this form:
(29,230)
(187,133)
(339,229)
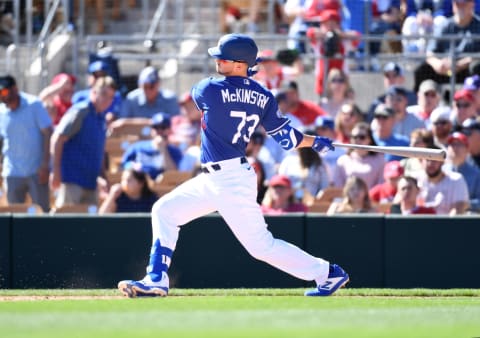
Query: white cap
(442,113)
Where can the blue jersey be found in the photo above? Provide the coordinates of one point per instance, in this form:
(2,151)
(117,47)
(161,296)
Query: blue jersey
(232,108)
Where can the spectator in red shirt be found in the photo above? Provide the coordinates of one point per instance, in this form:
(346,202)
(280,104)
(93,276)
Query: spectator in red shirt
(279,198)
(385,192)
(330,44)
(57,97)
(306,111)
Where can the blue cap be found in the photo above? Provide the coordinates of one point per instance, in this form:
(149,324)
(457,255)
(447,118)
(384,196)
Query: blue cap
(472,83)
(161,120)
(7,81)
(397,90)
(98,66)
(235,47)
(148,75)
(325,122)
(393,67)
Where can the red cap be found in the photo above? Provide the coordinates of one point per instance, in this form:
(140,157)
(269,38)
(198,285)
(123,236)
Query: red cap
(265,55)
(59,77)
(464,94)
(457,136)
(329,14)
(280,180)
(392,169)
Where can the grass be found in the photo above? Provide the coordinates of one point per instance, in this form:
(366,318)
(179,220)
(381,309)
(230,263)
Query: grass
(241,313)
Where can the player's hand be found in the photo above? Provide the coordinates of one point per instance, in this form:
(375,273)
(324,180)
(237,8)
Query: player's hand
(322,144)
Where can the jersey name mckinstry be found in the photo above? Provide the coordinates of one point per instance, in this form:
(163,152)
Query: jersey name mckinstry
(245,96)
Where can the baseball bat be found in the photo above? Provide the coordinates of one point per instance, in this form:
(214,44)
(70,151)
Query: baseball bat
(418,152)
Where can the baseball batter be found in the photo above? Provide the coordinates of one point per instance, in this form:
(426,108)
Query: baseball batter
(232,106)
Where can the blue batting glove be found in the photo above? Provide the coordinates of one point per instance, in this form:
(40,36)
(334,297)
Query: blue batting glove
(322,144)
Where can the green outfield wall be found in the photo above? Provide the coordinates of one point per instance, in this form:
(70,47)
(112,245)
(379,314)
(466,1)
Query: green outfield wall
(88,251)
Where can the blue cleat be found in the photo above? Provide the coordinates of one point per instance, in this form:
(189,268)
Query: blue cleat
(144,288)
(337,278)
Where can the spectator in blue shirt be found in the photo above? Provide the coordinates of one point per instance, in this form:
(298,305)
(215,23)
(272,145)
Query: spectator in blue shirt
(384,122)
(98,69)
(156,155)
(25,129)
(78,146)
(132,194)
(148,99)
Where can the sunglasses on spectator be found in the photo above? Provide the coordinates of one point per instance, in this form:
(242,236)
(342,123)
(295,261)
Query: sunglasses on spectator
(381,117)
(462,105)
(338,80)
(441,123)
(360,137)
(430,94)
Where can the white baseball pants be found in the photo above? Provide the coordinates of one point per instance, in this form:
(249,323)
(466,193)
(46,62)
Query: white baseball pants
(232,192)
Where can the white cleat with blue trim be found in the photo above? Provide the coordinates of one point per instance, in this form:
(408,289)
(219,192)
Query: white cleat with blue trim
(145,287)
(337,278)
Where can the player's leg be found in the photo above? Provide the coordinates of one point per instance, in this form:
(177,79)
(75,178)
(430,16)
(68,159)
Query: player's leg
(251,230)
(188,201)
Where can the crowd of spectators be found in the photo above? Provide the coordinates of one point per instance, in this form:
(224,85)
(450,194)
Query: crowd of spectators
(54,144)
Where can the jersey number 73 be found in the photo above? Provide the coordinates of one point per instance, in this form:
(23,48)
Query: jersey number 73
(245,127)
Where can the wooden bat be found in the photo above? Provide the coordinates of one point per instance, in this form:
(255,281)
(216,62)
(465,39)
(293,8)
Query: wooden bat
(418,152)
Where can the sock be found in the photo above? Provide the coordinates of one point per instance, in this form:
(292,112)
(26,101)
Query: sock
(160,258)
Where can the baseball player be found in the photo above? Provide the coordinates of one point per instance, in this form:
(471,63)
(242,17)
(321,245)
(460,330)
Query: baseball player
(232,107)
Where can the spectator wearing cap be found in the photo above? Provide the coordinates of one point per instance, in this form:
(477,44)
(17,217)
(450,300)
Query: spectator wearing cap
(99,69)
(306,111)
(405,122)
(325,126)
(428,98)
(360,163)
(329,43)
(78,146)
(445,191)
(156,155)
(471,128)
(441,124)
(407,197)
(272,74)
(25,129)
(463,107)
(384,135)
(393,75)
(149,98)
(303,14)
(57,97)
(280,198)
(472,83)
(385,192)
(186,125)
(457,161)
(438,65)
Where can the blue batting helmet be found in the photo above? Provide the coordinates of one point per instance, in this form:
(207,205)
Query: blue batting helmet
(235,47)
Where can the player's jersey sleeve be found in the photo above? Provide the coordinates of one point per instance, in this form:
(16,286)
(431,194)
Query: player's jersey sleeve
(232,108)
